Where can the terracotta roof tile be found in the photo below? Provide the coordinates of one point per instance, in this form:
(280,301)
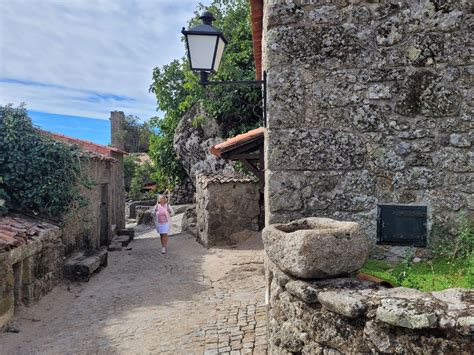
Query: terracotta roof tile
(16,230)
(86,145)
(237,141)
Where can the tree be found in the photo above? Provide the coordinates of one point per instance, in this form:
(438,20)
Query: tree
(137,134)
(176,87)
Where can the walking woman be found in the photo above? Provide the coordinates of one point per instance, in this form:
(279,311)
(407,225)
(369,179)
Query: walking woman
(163,219)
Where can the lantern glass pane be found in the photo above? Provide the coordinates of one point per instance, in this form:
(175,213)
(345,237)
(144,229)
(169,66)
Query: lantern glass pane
(201,51)
(220,51)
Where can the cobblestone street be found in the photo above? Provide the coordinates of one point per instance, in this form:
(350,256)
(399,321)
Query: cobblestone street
(191,301)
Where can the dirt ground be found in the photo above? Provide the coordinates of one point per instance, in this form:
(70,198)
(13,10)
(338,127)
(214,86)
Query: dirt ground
(191,301)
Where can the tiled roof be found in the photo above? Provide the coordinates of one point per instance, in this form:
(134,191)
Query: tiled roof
(149,186)
(212,178)
(257,26)
(16,230)
(86,145)
(237,141)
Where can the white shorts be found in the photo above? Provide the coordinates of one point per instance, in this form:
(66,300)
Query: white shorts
(163,228)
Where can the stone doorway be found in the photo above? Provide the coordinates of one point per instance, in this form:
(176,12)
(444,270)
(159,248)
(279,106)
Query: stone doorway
(104,214)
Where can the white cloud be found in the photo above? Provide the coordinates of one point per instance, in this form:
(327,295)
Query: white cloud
(87,57)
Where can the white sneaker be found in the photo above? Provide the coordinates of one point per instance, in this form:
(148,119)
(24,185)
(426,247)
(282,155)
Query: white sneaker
(163,250)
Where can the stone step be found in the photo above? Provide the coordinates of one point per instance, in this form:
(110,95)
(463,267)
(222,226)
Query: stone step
(81,266)
(114,246)
(127,231)
(123,239)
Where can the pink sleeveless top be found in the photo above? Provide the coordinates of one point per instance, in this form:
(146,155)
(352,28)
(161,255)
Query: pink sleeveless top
(162,214)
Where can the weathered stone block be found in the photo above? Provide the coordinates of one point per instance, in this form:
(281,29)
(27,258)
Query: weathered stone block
(127,231)
(314,149)
(342,303)
(418,178)
(307,248)
(286,91)
(466,325)
(81,266)
(122,239)
(302,290)
(398,313)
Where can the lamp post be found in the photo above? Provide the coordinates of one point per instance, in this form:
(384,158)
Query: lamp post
(205,45)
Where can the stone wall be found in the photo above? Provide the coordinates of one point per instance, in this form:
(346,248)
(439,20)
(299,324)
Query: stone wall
(30,270)
(183,193)
(369,102)
(227,208)
(348,316)
(82,227)
(131,207)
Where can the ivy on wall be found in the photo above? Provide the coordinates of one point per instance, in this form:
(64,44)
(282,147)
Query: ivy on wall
(38,174)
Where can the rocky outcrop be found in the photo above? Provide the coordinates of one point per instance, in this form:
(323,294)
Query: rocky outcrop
(195,134)
(308,248)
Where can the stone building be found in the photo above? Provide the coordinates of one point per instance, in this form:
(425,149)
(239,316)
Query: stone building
(369,104)
(106,208)
(369,119)
(32,252)
(227,208)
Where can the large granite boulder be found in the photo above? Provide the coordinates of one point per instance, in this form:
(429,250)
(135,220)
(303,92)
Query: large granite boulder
(316,247)
(194,135)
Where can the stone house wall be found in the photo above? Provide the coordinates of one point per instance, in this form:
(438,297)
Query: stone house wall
(342,316)
(31,270)
(369,102)
(227,209)
(82,227)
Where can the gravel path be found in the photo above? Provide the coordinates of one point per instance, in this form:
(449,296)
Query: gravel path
(191,301)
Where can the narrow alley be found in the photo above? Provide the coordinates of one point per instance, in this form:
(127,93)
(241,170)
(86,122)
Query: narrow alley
(191,301)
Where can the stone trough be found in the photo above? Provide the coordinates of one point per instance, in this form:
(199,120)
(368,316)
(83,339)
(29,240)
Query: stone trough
(315,248)
(314,308)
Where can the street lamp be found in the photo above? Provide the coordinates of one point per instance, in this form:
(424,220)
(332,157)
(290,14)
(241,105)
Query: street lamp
(205,46)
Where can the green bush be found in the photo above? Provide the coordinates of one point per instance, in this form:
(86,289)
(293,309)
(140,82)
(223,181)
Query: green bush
(446,244)
(129,166)
(38,174)
(142,175)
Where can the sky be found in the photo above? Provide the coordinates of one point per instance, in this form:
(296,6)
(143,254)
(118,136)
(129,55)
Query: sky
(87,57)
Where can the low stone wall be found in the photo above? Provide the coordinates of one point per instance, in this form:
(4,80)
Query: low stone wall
(183,193)
(345,315)
(131,207)
(29,271)
(226,208)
